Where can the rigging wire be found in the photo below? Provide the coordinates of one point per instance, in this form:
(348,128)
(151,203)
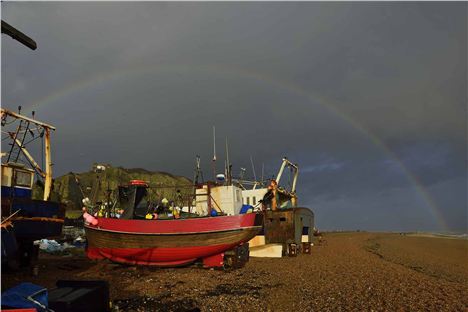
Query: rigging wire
(5,123)
(32,140)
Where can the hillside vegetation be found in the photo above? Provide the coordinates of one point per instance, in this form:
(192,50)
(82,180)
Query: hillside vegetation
(72,187)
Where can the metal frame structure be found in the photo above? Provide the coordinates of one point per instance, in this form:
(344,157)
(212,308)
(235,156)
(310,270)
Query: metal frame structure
(24,128)
(285,163)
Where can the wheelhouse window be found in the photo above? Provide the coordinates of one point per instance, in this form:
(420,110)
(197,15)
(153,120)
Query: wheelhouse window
(23,178)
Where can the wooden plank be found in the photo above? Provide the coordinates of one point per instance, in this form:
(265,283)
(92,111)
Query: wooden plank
(267,251)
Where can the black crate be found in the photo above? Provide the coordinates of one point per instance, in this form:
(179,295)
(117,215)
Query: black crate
(237,257)
(74,296)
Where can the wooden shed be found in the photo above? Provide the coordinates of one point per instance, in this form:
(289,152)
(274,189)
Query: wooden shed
(286,226)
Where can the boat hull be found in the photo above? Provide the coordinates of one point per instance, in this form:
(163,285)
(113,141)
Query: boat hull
(169,242)
(30,220)
(36,219)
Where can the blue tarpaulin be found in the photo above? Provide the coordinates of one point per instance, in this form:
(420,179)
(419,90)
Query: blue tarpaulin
(245,208)
(26,295)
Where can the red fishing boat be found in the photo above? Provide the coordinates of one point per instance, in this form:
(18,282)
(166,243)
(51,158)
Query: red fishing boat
(132,239)
(170,242)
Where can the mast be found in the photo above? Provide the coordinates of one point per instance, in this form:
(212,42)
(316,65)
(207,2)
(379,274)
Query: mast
(48,171)
(253,168)
(197,171)
(214,154)
(228,165)
(263,169)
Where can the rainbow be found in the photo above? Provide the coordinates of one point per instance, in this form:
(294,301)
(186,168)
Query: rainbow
(108,77)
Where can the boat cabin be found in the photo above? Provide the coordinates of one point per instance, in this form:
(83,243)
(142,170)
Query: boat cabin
(253,196)
(209,200)
(221,198)
(17,180)
(132,199)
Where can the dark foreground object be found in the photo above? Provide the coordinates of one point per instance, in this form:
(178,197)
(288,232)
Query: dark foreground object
(75,296)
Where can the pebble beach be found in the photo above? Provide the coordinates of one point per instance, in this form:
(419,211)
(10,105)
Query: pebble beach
(344,272)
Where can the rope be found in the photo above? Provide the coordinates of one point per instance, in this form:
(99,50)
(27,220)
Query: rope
(9,217)
(40,219)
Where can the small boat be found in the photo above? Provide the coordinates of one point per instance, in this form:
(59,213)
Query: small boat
(167,242)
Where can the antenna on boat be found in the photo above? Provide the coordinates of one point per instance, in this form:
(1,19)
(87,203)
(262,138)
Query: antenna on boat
(241,175)
(214,143)
(263,169)
(253,168)
(228,165)
(225,171)
(214,154)
(198,172)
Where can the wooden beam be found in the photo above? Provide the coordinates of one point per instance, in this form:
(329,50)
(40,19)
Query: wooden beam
(14,33)
(48,169)
(19,116)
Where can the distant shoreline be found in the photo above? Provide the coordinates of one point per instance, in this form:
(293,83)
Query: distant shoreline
(413,234)
(439,235)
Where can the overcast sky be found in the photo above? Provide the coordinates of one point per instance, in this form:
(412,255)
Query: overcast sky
(370,99)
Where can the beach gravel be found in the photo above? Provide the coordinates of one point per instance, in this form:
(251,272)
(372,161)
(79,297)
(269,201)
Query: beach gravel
(345,272)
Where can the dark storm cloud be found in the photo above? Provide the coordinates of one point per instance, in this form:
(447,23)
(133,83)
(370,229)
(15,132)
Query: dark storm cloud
(368,98)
